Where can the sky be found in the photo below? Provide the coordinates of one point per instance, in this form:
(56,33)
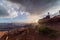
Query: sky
(27,10)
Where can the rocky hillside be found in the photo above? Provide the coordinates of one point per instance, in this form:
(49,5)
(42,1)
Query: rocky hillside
(51,22)
(30,32)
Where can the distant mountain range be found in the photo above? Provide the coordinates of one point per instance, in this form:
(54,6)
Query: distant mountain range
(8,26)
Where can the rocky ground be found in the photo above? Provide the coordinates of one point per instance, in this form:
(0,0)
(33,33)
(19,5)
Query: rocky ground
(30,32)
(27,33)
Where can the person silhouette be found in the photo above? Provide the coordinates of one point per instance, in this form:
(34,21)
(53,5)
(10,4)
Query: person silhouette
(48,16)
(59,12)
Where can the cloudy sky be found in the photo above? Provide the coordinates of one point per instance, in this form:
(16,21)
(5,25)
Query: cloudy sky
(27,10)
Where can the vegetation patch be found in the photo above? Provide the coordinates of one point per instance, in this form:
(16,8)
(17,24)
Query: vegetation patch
(46,31)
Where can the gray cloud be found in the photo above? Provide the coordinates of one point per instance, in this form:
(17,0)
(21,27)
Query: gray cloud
(36,6)
(3,12)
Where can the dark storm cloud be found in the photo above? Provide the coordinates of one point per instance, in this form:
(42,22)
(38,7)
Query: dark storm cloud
(36,6)
(3,12)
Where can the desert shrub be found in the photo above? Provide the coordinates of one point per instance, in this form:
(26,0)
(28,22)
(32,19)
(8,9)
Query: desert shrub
(44,30)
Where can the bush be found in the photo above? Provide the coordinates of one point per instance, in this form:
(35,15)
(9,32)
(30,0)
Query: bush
(44,30)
